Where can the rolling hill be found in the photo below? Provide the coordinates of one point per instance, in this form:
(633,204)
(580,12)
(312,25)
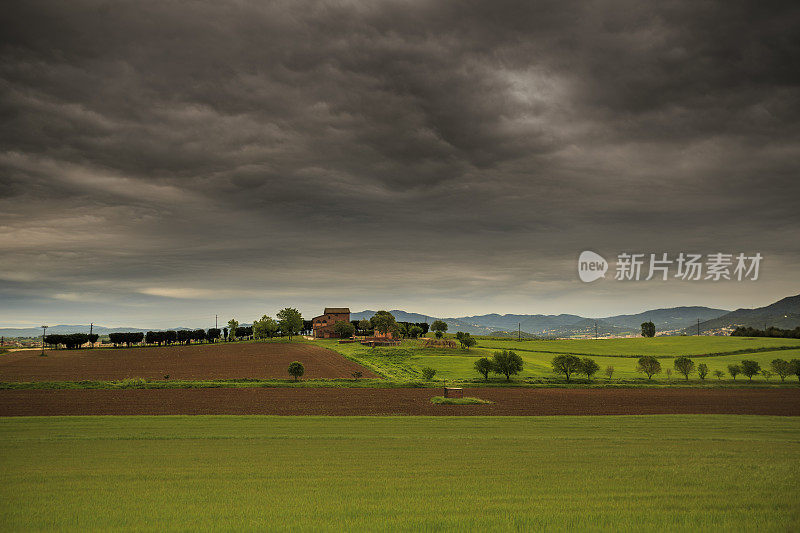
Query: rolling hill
(783,314)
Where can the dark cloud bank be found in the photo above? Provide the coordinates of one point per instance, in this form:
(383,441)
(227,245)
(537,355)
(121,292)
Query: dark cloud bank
(163,161)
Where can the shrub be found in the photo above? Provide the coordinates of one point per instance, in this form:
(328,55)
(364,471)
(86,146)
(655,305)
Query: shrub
(439,343)
(766,373)
(609,371)
(467,400)
(132,383)
(428,373)
(296,369)
(719,374)
(357,374)
(344,329)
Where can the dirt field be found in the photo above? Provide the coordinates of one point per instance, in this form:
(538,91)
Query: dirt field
(203,361)
(331,401)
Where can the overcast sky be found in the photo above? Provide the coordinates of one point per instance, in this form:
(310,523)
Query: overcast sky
(165,161)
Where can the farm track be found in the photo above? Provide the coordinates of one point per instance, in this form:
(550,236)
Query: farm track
(194,362)
(348,402)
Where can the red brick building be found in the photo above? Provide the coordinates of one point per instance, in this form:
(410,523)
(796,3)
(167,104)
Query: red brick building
(323,324)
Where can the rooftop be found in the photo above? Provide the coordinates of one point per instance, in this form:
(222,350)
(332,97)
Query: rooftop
(336,310)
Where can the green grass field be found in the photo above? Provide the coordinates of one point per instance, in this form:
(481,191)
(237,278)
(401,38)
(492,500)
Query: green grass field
(405,362)
(720,473)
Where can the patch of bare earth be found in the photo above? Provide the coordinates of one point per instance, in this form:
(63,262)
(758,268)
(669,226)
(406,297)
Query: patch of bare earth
(201,361)
(339,401)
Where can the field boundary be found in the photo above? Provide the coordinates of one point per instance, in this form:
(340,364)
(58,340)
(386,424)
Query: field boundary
(363,383)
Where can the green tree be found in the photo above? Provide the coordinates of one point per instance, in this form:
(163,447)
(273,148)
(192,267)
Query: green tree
(232,325)
(344,329)
(507,363)
(414,332)
(648,365)
(589,367)
(750,368)
(795,367)
(609,371)
(648,329)
(296,369)
(465,339)
(364,326)
(290,321)
(483,366)
(766,373)
(439,327)
(719,373)
(566,364)
(702,370)
(734,370)
(264,328)
(428,373)
(384,322)
(684,365)
(781,367)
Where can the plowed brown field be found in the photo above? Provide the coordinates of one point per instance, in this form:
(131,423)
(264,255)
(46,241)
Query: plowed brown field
(203,361)
(333,401)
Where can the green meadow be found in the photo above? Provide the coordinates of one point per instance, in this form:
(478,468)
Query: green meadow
(632,473)
(404,363)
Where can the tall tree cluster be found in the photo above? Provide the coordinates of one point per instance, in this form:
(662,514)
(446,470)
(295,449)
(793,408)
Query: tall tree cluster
(745,331)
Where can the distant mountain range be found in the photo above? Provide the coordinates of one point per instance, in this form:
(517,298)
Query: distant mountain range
(64,328)
(676,320)
(564,325)
(783,314)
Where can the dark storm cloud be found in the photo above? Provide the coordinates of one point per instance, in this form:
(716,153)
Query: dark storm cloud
(169,148)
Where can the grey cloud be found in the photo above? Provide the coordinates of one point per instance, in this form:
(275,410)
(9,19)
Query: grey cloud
(392,149)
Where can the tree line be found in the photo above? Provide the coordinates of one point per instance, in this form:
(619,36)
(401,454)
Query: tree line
(746,331)
(651,366)
(382,321)
(71,340)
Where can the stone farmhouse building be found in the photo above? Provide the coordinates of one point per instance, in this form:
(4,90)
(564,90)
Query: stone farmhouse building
(323,324)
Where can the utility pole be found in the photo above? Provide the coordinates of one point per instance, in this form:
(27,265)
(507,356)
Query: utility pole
(44,330)
(698,327)
(519,331)
(216,326)
(91,328)
(595,330)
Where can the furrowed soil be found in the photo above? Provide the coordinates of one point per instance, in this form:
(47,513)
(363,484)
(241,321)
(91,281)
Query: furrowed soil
(333,401)
(203,361)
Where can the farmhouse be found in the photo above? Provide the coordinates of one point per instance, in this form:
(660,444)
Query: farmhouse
(323,324)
